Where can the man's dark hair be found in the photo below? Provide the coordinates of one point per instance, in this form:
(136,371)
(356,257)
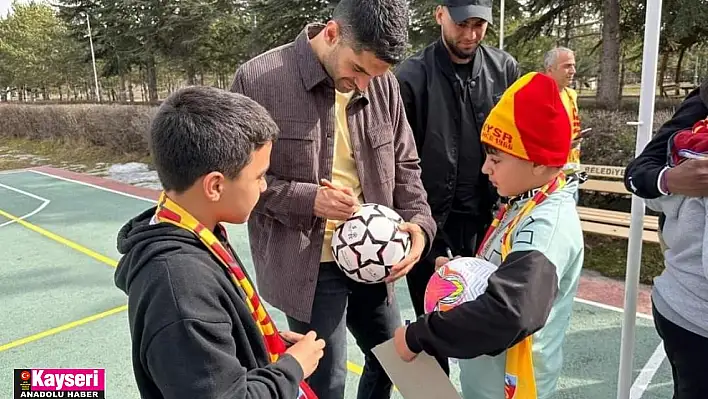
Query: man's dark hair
(379,26)
(198,130)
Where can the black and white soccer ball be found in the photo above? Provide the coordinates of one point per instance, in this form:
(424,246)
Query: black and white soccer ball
(369,243)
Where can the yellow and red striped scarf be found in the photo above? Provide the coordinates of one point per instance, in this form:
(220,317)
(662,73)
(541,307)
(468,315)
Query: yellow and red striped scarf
(519,379)
(168,211)
(574,155)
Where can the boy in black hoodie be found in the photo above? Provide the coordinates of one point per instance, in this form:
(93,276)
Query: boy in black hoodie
(197,326)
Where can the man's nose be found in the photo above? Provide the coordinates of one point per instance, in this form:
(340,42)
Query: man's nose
(470,33)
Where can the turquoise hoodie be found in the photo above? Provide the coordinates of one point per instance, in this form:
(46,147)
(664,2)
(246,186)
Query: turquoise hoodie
(531,292)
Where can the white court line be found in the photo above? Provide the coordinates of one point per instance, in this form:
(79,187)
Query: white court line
(640,384)
(585,301)
(13,171)
(94,186)
(612,308)
(647,374)
(45,202)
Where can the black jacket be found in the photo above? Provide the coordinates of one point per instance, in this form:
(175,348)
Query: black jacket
(434,99)
(642,174)
(192,333)
(516,304)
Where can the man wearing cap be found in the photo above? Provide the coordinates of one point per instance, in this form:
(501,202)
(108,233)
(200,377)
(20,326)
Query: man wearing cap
(448,89)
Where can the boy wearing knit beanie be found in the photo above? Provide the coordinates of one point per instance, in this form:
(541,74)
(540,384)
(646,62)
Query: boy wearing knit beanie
(680,293)
(509,339)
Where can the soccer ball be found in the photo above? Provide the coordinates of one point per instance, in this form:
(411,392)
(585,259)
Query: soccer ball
(369,243)
(458,281)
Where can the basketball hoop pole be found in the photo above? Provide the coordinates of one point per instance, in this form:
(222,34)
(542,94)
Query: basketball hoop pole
(634,250)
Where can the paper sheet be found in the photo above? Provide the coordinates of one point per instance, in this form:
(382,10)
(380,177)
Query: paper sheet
(423,378)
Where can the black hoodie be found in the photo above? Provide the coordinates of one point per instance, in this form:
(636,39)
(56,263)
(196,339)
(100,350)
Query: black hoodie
(642,174)
(192,333)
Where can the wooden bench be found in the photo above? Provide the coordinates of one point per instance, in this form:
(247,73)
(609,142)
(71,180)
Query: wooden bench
(609,179)
(673,90)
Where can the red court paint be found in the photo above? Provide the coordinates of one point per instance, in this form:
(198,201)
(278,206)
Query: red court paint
(102,182)
(599,289)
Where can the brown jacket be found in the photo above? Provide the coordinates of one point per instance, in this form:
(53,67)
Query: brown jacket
(286,238)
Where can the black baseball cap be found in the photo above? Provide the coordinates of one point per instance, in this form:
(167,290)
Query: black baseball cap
(460,10)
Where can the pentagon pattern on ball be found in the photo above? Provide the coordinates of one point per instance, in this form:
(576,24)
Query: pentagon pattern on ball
(369,243)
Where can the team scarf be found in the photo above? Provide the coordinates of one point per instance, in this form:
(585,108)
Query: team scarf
(519,379)
(574,155)
(168,211)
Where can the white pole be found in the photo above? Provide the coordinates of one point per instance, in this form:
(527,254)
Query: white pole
(634,252)
(501,26)
(93,58)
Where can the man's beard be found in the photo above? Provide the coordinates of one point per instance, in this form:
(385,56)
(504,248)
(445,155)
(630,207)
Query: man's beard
(329,63)
(459,53)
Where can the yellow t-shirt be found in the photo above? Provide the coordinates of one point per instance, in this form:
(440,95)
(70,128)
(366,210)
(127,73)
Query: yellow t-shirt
(570,102)
(344,172)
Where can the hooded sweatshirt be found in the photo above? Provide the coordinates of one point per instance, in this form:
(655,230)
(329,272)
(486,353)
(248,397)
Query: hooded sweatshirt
(680,293)
(192,333)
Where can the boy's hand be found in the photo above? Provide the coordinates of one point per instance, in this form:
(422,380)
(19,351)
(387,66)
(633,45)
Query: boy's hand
(440,261)
(291,337)
(417,244)
(307,351)
(399,341)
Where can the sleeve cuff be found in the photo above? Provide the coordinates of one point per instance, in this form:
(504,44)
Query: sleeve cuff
(429,227)
(302,198)
(411,339)
(287,362)
(661,183)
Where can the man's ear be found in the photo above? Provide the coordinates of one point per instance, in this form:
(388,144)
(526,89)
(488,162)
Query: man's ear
(332,32)
(439,13)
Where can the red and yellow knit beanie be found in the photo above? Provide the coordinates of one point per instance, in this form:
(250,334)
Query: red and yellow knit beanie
(530,122)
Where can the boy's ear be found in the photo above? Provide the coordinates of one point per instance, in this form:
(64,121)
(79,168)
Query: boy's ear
(539,170)
(213,185)
(543,170)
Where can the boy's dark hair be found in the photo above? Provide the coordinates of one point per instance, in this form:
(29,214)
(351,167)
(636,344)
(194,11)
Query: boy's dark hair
(488,149)
(379,26)
(198,130)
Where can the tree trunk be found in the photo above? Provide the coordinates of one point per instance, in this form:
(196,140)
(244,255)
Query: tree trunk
(151,72)
(191,75)
(142,85)
(662,70)
(608,84)
(621,82)
(568,27)
(677,73)
(121,88)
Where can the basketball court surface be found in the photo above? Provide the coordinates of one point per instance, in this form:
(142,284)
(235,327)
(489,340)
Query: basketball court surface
(61,309)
